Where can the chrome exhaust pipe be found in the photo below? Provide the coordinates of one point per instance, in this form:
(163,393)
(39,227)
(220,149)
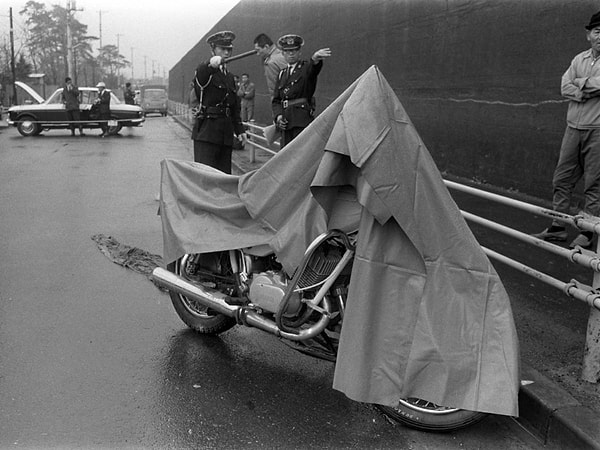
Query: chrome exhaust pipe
(211,298)
(215,300)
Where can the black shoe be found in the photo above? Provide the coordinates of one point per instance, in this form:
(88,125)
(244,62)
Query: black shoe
(583,240)
(556,234)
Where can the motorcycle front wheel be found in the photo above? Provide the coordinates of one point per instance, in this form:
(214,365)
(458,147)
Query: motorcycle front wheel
(427,416)
(195,315)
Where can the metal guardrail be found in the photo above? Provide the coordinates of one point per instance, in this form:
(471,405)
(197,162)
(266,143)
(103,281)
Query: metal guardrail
(572,288)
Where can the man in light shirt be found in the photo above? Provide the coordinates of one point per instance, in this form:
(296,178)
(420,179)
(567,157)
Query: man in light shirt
(580,150)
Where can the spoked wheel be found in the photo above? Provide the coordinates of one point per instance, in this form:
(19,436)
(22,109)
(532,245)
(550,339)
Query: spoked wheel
(427,416)
(195,315)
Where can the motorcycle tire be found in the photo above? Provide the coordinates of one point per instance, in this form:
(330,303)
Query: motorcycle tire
(427,416)
(195,316)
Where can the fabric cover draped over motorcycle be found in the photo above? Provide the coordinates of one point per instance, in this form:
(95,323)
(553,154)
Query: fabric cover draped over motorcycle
(427,315)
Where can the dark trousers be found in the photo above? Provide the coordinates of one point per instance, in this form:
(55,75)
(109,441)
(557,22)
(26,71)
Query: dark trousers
(73,116)
(104,124)
(288,135)
(214,155)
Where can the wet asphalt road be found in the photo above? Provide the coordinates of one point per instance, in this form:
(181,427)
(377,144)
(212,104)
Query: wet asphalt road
(92,355)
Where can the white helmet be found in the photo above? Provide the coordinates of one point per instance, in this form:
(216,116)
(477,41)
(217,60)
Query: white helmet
(101,84)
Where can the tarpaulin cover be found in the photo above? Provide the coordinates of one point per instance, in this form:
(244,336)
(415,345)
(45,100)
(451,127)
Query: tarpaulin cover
(427,316)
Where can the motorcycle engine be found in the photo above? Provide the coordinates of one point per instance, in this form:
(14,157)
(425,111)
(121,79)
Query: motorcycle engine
(267,290)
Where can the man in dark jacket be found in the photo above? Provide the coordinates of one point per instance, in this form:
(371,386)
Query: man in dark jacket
(293,102)
(103,102)
(218,112)
(70,98)
(129,95)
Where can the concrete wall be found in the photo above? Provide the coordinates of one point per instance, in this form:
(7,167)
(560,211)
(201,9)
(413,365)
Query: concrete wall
(479,78)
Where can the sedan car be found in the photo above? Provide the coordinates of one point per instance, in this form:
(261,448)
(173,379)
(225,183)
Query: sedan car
(51,114)
(155,101)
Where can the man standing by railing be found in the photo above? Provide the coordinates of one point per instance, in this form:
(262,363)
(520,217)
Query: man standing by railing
(293,103)
(246,92)
(580,150)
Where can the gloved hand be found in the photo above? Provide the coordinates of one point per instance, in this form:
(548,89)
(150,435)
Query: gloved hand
(243,138)
(215,62)
(281,122)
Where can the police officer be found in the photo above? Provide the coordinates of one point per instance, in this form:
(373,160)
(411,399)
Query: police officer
(218,111)
(293,102)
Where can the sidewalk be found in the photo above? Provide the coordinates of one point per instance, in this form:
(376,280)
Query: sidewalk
(546,410)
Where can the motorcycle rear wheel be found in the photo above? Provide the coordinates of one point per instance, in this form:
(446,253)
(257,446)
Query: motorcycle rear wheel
(194,315)
(426,416)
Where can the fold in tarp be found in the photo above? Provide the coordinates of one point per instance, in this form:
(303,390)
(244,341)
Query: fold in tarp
(427,316)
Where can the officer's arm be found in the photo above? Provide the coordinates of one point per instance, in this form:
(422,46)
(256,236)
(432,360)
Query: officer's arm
(276,105)
(204,72)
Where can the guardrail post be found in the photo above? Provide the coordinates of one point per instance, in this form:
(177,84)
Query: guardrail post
(591,353)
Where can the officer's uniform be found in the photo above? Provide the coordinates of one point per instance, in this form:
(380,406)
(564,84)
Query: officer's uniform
(218,117)
(293,94)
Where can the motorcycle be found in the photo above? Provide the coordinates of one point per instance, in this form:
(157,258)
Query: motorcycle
(348,246)
(216,291)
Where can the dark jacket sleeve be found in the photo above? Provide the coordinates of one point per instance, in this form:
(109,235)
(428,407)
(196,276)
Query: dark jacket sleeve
(276,106)
(203,73)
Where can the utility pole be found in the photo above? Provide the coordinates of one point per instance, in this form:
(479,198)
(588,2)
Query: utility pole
(118,55)
(132,77)
(69,42)
(12,58)
(71,6)
(100,25)
(145,67)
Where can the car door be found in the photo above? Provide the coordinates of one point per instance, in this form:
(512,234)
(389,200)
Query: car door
(54,109)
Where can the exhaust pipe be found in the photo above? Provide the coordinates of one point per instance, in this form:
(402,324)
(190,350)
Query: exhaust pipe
(210,298)
(215,300)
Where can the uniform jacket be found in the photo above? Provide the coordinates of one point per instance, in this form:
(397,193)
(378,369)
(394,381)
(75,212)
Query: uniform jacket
(71,98)
(274,63)
(302,83)
(216,89)
(104,104)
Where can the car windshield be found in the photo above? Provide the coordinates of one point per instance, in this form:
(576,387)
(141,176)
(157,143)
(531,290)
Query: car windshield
(86,97)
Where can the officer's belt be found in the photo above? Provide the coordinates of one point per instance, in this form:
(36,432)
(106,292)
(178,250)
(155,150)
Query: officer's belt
(296,101)
(218,111)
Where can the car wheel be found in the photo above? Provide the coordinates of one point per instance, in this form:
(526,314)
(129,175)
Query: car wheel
(114,130)
(28,127)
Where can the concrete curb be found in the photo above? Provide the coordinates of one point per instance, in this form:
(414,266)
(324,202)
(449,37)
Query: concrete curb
(546,410)
(556,417)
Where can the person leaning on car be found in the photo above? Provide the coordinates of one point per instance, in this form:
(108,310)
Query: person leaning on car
(217,117)
(70,98)
(103,102)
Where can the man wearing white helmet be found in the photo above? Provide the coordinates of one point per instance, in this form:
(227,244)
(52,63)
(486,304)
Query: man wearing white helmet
(103,102)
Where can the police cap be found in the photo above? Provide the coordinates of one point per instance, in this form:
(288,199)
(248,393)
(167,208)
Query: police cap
(290,42)
(221,39)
